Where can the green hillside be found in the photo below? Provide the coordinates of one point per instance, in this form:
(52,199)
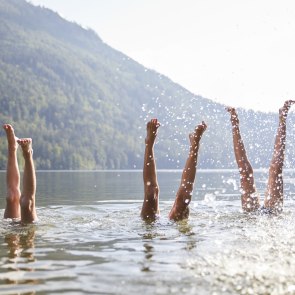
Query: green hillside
(86,105)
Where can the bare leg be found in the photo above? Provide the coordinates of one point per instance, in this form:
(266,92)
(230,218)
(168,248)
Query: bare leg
(250,199)
(180,208)
(12,209)
(27,199)
(150,207)
(274,195)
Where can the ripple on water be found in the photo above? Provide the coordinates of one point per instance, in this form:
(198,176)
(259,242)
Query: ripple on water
(107,247)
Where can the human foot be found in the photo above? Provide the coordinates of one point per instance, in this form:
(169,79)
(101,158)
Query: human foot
(283,111)
(151,130)
(26,145)
(11,138)
(197,134)
(233,116)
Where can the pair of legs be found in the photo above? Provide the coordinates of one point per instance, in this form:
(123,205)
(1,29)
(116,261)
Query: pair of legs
(274,194)
(180,210)
(20,204)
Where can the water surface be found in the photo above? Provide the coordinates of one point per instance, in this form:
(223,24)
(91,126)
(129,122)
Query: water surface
(91,240)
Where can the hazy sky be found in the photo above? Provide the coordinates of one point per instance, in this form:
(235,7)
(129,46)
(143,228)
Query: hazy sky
(238,52)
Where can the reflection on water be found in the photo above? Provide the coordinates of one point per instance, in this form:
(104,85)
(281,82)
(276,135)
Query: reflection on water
(20,258)
(90,239)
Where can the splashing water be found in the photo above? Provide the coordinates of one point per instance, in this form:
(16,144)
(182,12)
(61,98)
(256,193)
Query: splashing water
(91,235)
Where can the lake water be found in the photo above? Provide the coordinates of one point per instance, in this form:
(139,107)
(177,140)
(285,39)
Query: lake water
(91,240)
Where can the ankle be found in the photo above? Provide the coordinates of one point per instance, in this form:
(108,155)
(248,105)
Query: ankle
(27,154)
(12,151)
(183,201)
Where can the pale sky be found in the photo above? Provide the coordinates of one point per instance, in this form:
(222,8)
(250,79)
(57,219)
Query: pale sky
(237,52)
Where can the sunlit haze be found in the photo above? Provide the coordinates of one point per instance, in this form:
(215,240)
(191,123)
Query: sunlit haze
(236,52)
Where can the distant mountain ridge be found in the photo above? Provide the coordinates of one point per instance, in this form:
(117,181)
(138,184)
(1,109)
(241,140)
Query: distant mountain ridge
(86,104)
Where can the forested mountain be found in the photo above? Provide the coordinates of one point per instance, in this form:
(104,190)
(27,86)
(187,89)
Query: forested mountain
(86,104)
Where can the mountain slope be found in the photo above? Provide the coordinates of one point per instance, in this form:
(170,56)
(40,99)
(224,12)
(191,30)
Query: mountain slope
(86,105)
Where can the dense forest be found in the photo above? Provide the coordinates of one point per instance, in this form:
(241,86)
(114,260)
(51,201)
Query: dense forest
(86,104)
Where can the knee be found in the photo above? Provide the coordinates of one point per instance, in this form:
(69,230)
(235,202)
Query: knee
(276,168)
(186,189)
(246,170)
(26,204)
(247,177)
(13,195)
(152,191)
(185,195)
